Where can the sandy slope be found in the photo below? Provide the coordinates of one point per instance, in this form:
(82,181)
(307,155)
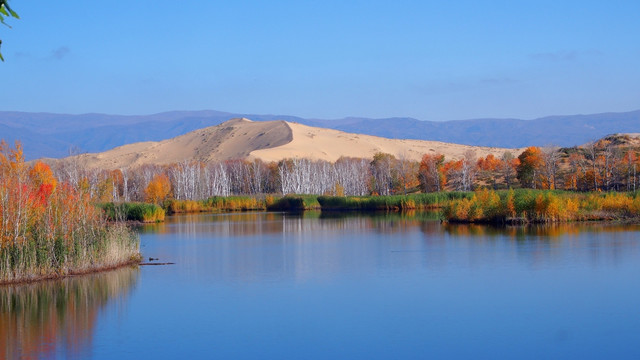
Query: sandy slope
(234,139)
(271,141)
(326,144)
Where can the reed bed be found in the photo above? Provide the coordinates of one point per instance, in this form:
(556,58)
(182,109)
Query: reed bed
(391,202)
(216,204)
(133,211)
(49,229)
(542,206)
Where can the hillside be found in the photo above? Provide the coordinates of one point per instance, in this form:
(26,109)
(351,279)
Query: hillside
(327,144)
(270,141)
(53,135)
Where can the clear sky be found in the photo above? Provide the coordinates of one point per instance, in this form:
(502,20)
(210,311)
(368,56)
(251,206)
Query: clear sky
(432,60)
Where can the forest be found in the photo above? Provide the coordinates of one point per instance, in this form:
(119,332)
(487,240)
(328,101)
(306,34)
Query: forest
(610,164)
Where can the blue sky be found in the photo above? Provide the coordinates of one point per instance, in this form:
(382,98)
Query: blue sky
(432,60)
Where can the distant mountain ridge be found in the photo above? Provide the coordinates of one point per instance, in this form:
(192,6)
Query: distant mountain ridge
(53,135)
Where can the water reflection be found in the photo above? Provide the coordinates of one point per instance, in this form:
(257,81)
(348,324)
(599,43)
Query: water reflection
(537,231)
(588,244)
(58,318)
(268,246)
(262,223)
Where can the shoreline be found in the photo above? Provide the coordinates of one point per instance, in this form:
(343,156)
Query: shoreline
(52,277)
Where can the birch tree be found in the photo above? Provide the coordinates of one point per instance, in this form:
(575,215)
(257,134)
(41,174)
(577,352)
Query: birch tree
(550,156)
(382,173)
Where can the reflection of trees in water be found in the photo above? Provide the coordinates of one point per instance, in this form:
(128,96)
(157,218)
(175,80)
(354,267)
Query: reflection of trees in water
(300,245)
(43,319)
(548,232)
(262,223)
(595,242)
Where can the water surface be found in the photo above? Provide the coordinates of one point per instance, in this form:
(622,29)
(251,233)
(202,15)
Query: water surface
(311,286)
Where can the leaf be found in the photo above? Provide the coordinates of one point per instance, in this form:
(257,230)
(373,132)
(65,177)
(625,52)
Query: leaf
(3,10)
(13,13)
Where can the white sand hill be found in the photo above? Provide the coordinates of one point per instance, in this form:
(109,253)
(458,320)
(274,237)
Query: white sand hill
(272,141)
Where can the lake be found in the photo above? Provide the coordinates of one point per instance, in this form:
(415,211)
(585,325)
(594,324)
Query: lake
(318,286)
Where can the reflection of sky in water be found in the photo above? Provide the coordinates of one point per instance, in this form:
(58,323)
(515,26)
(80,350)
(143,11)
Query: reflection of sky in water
(399,286)
(257,246)
(323,286)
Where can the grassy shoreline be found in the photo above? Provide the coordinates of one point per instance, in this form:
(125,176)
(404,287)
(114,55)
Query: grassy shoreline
(132,212)
(104,248)
(520,206)
(297,202)
(526,206)
(60,276)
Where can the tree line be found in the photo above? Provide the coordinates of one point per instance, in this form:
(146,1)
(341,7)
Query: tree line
(604,165)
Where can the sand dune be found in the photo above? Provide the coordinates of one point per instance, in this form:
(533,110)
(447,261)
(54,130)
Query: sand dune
(272,141)
(326,144)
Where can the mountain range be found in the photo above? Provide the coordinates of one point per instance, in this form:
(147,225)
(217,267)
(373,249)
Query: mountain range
(56,135)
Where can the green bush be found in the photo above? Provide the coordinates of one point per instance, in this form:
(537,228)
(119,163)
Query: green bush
(130,211)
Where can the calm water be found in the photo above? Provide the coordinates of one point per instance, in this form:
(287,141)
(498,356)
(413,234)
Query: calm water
(281,286)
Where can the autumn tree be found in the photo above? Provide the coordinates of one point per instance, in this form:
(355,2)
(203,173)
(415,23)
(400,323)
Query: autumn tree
(116,177)
(407,174)
(158,189)
(592,155)
(550,156)
(508,166)
(630,163)
(431,173)
(488,168)
(461,174)
(608,159)
(15,212)
(531,163)
(41,175)
(578,167)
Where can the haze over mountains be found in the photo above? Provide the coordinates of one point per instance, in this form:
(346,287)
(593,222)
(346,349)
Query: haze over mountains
(53,135)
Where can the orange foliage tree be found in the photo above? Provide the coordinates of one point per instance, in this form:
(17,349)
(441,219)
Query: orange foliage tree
(488,168)
(407,175)
(431,173)
(630,166)
(461,174)
(529,169)
(158,189)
